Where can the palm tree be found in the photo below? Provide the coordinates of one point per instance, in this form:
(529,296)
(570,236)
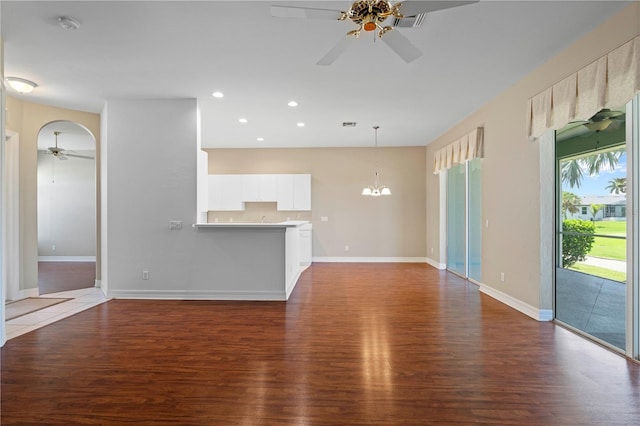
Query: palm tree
(572,170)
(570,203)
(617,186)
(595,208)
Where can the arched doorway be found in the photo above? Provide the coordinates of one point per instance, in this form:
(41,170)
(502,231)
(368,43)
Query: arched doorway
(66,207)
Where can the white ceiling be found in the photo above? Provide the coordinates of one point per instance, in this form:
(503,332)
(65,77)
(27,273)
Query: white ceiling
(180,49)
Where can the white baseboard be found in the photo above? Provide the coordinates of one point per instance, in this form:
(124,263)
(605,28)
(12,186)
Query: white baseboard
(436,264)
(66,258)
(196,295)
(98,284)
(370,259)
(517,304)
(29,292)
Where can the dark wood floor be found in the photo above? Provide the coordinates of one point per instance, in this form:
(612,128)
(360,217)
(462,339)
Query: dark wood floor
(357,344)
(54,277)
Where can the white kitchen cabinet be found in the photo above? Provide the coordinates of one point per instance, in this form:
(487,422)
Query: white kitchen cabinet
(294,192)
(225,192)
(259,188)
(302,192)
(305,245)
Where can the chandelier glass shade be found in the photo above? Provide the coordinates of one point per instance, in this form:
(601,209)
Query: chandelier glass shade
(376,190)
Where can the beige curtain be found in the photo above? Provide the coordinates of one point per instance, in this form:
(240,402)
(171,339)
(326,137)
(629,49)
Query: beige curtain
(466,148)
(608,82)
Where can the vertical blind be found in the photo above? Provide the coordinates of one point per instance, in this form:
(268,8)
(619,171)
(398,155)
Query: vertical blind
(468,147)
(609,82)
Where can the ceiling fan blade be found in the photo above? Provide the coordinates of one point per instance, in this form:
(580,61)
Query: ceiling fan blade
(337,50)
(401,45)
(80,156)
(412,8)
(305,12)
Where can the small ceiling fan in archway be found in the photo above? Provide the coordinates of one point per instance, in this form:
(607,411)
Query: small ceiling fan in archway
(61,153)
(370,16)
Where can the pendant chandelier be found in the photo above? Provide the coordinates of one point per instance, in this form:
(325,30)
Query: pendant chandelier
(376,189)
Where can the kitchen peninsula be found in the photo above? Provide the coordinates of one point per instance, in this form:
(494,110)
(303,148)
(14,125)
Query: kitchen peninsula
(262,261)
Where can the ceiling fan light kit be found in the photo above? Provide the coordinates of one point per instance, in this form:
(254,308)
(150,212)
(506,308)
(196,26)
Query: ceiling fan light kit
(369,15)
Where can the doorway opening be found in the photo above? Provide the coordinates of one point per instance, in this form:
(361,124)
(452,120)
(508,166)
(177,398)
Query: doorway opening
(591,227)
(66,207)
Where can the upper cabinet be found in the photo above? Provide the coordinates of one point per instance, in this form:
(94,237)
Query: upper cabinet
(225,192)
(230,192)
(259,187)
(294,192)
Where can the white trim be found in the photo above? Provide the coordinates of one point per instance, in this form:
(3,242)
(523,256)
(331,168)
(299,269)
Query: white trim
(28,292)
(98,284)
(519,305)
(196,295)
(436,264)
(66,258)
(371,259)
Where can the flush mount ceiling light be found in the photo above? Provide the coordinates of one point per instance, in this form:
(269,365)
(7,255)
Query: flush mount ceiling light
(301,124)
(292,104)
(20,84)
(243,120)
(68,23)
(376,189)
(218,95)
(260,139)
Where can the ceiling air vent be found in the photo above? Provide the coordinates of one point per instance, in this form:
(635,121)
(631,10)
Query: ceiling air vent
(348,124)
(409,21)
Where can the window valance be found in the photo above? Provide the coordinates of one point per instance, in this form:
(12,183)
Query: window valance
(609,82)
(468,147)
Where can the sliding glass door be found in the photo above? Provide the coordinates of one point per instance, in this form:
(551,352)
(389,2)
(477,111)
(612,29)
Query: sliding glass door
(464,220)
(592,227)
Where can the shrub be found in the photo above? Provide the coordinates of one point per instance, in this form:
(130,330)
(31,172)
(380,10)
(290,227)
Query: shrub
(576,247)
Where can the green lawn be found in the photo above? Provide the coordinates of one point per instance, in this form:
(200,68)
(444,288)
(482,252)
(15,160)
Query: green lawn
(600,272)
(610,248)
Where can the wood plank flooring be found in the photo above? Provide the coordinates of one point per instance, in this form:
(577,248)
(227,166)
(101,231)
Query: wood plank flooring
(54,277)
(357,344)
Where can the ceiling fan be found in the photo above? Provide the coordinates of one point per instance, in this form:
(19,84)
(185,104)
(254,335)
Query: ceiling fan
(605,119)
(63,154)
(370,15)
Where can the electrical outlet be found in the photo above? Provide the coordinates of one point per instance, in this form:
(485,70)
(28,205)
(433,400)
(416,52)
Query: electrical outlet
(502,276)
(175,224)
(53,247)
(324,219)
(346,248)
(145,275)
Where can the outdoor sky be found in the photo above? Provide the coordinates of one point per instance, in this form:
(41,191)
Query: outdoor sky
(596,185)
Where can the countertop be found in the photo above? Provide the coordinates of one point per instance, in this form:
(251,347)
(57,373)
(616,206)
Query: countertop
(286,224)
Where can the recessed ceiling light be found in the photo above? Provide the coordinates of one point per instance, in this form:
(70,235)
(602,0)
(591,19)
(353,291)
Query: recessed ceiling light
(68,23)
(243,120)
(217,95)
(260,139)
(21,85)
(292,104)
(300,124)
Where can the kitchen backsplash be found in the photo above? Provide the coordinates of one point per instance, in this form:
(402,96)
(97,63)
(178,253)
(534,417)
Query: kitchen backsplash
(255,212)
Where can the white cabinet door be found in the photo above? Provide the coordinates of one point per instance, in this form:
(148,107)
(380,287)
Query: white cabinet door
(294,192)
(214,190)
(305,245)
(232,192)
(285,192)
(268,188)
(259,188)
(251,187)
(225,192)
(302,195)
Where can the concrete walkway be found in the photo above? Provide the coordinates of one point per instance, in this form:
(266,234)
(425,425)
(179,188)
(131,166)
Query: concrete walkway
(614,265)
